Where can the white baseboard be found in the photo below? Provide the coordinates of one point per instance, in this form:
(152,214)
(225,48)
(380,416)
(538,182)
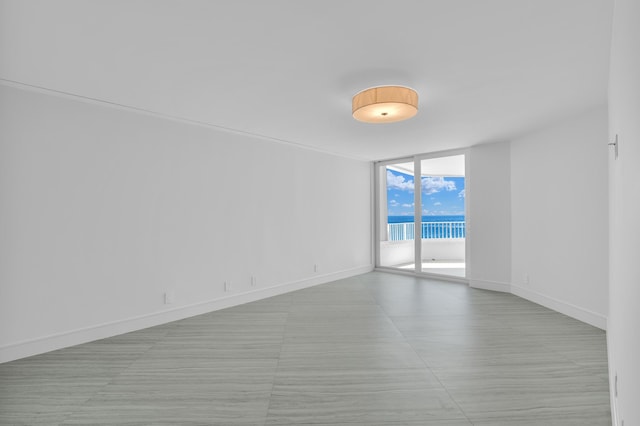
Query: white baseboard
(573,311)
(44,344)
(490,285)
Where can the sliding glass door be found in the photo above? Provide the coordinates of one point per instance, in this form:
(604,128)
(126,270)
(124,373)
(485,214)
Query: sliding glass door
(443,224)
(421,214)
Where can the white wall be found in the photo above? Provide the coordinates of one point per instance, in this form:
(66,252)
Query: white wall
(559,217)
(103,210)
(623,330)
(489,221)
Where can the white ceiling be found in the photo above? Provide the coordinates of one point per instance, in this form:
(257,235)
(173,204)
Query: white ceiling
(485,70)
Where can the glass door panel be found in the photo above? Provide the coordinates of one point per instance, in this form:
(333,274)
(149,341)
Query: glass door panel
(442,225)
(396,213)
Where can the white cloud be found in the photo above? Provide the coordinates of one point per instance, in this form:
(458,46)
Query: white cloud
(437,203)
(393,203)
(461,194)
(408,205)
(398,182)
(433,184)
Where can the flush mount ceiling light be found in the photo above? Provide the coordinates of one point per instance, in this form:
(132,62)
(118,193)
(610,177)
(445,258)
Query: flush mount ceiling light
(385,104)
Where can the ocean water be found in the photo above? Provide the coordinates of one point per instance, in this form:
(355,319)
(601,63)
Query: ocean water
(406,219)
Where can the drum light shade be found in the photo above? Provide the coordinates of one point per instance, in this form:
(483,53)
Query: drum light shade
(385,104)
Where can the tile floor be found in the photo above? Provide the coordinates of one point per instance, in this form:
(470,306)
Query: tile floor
(376,349)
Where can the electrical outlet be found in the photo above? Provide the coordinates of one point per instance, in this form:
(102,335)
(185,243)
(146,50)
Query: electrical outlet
(169,297)
(227,286)
(315,268)
(526,278)
(253,281)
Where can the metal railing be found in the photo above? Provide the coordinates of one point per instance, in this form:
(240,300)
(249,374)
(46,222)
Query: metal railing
(406,231)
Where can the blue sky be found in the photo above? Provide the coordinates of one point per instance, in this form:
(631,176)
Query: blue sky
(440,196)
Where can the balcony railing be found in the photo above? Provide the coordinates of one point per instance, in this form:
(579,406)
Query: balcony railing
(406,231)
